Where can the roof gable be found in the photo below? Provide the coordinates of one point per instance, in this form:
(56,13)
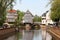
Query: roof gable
(44,14)
(11,11)
(28,12)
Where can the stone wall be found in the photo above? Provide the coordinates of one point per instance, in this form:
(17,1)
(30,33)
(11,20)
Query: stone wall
(4,33)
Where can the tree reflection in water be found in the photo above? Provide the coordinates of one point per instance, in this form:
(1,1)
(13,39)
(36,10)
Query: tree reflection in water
(37,35)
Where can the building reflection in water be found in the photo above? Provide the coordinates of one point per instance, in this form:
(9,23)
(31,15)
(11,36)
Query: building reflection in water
(37,35)
(46,35)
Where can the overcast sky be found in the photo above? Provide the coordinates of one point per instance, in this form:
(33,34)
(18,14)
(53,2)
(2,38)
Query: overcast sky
(36,7)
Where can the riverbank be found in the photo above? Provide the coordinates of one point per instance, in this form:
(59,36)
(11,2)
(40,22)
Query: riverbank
(5,33)
(55,32)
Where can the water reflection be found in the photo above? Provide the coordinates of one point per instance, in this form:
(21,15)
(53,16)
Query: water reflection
(43,34)
(48,36)
(11,38)
(31,35)
(37,35)
(27,35)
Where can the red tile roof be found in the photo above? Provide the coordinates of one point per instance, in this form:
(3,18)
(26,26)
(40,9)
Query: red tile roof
(12,11)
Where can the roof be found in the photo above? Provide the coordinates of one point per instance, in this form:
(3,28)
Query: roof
(44,14)
(28,12)
(12,11)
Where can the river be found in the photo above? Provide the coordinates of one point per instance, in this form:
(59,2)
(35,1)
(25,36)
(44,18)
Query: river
(37,35)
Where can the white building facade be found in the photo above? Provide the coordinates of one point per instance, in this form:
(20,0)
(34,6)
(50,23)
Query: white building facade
(11,16)
(46,18)
(28,17)
(43,20)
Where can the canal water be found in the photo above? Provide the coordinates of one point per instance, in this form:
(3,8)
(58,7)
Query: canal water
(31,35)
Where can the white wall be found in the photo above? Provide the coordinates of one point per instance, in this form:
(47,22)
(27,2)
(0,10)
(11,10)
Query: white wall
(28,18)
(11,17)
(48,19)
(44,21)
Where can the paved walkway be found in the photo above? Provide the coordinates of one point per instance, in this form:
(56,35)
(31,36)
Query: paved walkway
(55,31)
